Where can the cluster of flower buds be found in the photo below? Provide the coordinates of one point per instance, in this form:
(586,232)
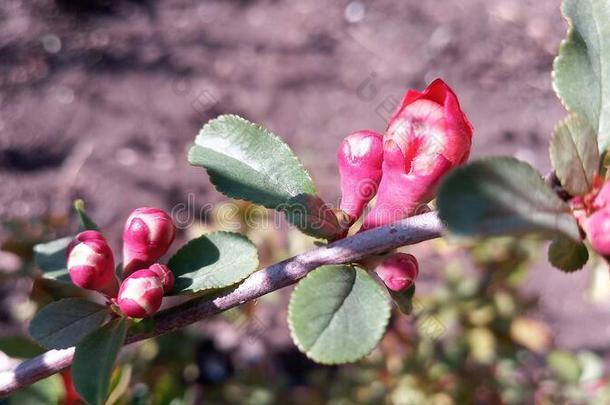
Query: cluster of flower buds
(593,214)
(147,236)
(398,271)
(427,136)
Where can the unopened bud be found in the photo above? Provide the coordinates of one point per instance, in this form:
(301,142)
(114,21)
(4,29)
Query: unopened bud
(398,271)
(598,231)
(165,275)
(91,263)
(359,158)
(427,136)
(140,294)
(147,235)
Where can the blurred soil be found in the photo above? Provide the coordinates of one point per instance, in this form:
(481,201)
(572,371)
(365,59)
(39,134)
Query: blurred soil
(101,99)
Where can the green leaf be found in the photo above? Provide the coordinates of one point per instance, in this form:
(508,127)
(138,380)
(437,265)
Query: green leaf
(564,366)
(502,196)
(216,260)
(312,216)
(51,258)
(86,223)
(44,392)
(245,161)
(581,71)
(19,346)
(93,361)
(567,255)
(574,154)
(66,322)
(338,314)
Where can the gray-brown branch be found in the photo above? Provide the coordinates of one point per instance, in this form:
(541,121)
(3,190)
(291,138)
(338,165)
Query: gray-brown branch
(405,232)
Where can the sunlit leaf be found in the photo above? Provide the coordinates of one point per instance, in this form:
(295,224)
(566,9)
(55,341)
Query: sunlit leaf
(245,161)
(581,71)
(338,314)
(574,154)
(215,260)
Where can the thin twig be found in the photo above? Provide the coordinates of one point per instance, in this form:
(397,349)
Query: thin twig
(406,232)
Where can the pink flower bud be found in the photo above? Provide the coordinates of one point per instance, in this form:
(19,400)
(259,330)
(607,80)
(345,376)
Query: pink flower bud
(91,263)
(597,227)
(165,275)
(359,158)
(427,136)
(148,234)
(141,294)
(398,271)
(602,199)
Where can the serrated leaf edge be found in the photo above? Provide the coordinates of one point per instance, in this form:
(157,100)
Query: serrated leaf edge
(570,270)
(283,144)
(565,122)
(383,325)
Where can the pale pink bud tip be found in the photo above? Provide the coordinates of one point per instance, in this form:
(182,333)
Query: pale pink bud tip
(91,263)
(359,158)
(165,275)
(140,294)
(147,236)
(398,271)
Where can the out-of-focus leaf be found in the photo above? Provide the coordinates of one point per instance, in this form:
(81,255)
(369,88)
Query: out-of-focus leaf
(312,216)
(19,346)
(337,314)
(245,161)
(581,71)
(64,323)
(567,255)
(564,365)
(533,334)
(574,154)
(94,359)
(502,196)
(44,392)
(216,260)
(51,258)
(482,345)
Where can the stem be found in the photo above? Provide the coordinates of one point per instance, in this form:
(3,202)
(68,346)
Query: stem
(408,231)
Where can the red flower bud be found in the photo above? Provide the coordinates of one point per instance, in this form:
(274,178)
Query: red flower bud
(398,271)
(91,263)
(427,136)
(359,158)
(140,294)
(148,234)
(165,275)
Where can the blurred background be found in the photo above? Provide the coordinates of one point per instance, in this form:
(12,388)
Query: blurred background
(100,100)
